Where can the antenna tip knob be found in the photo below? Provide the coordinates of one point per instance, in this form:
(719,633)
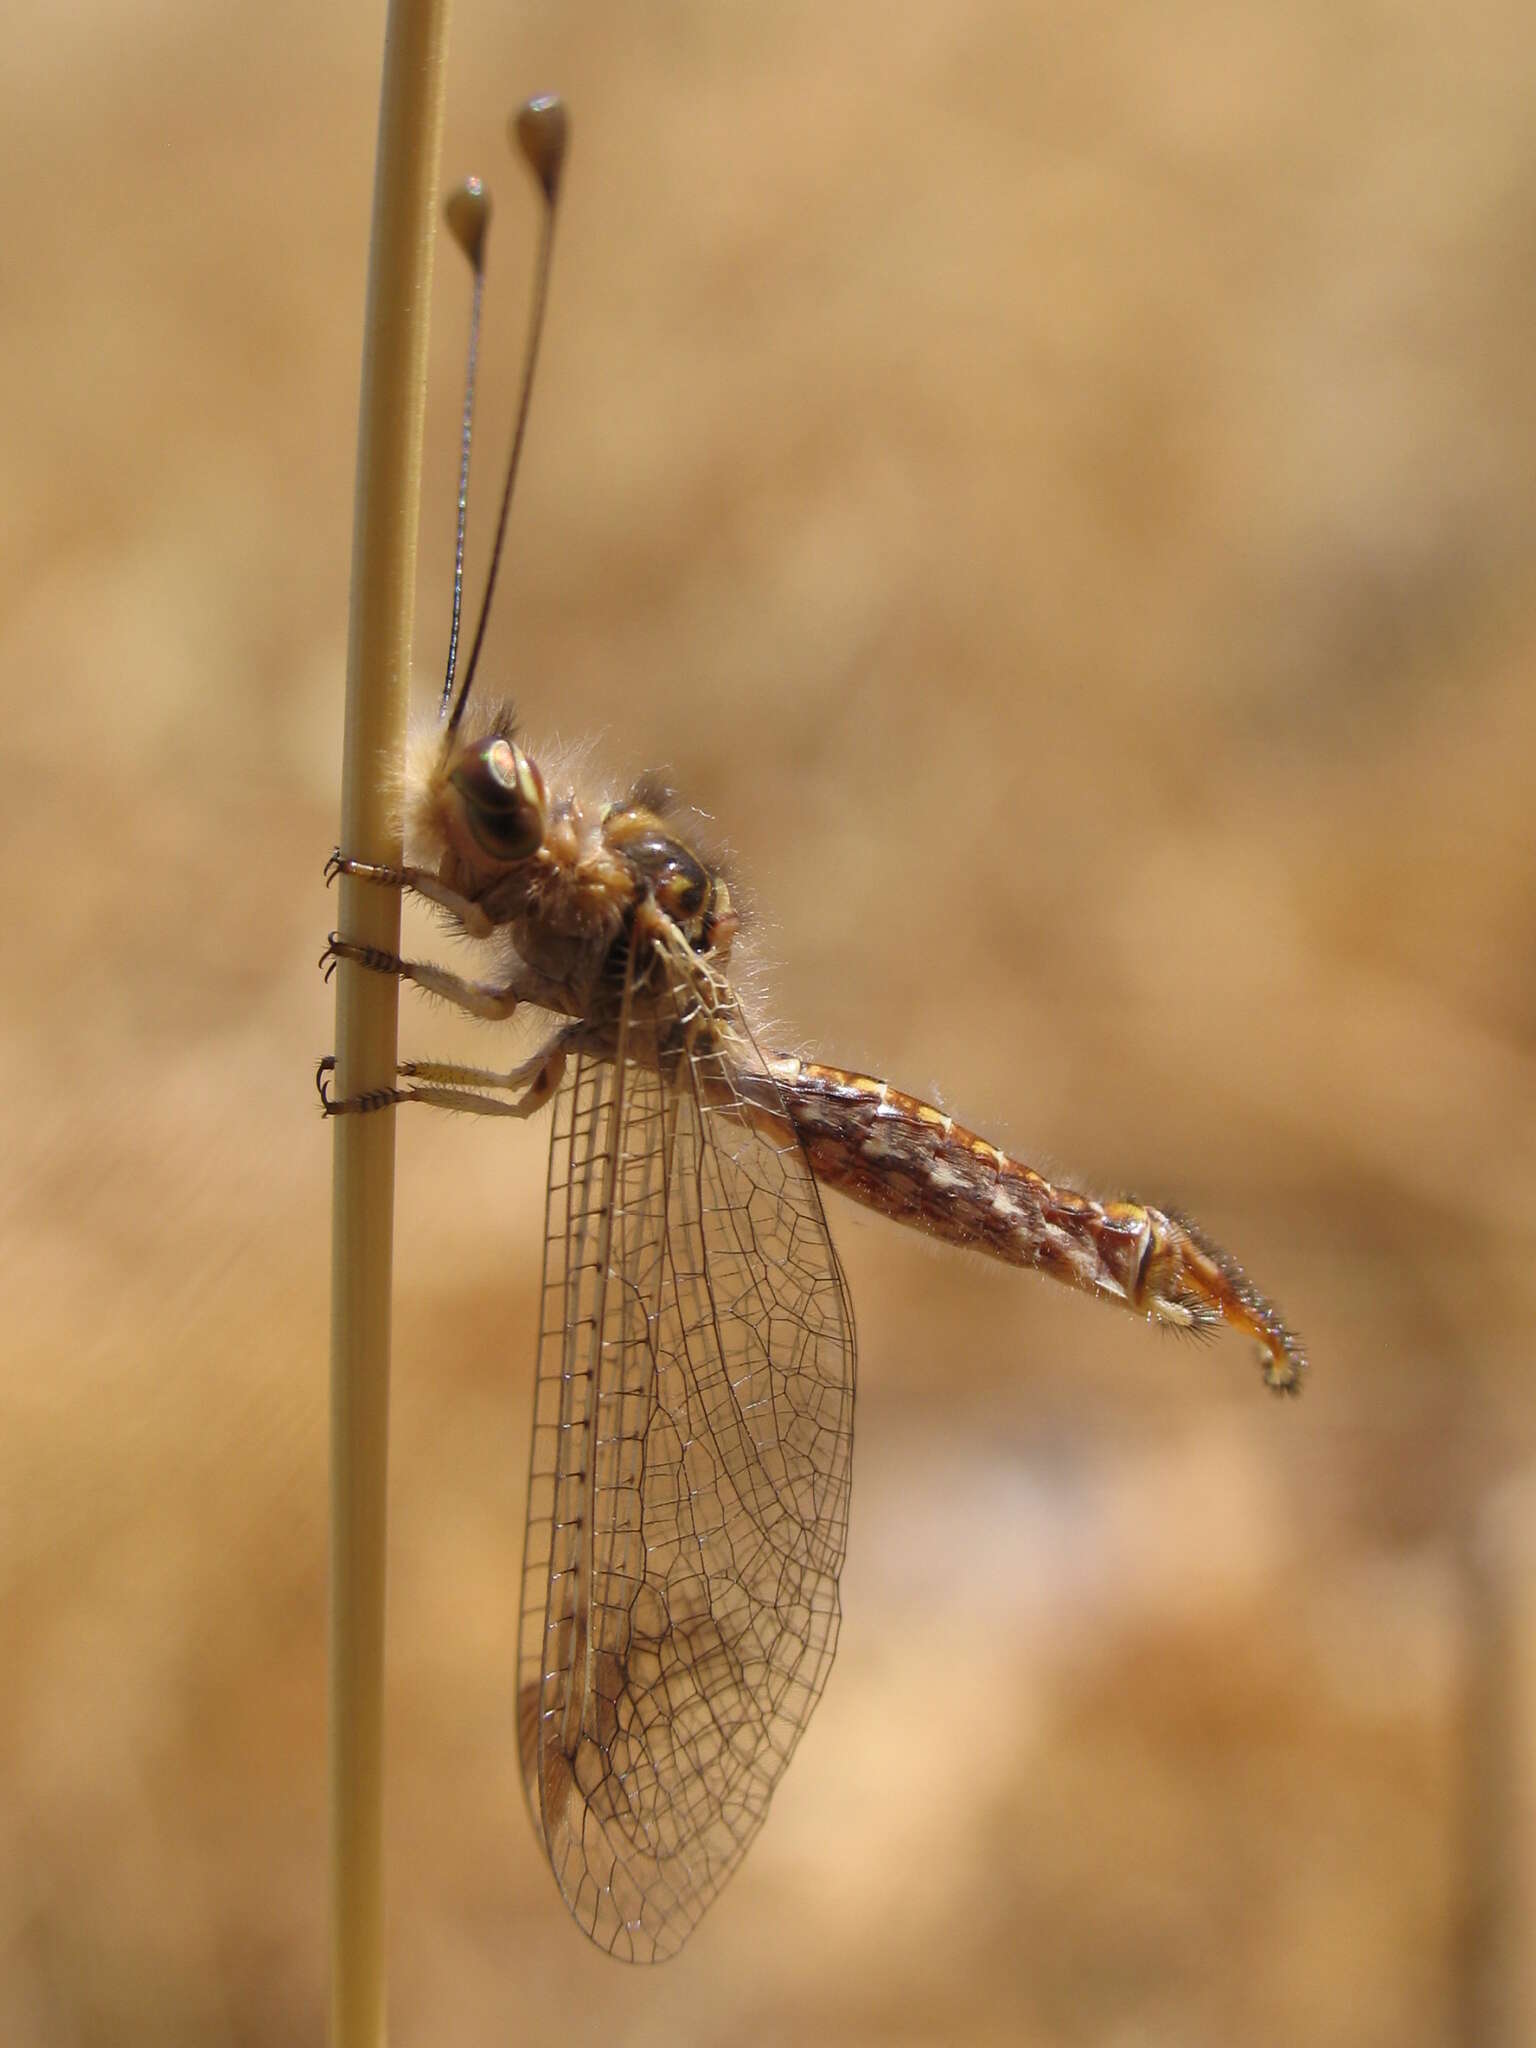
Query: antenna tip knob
(468,213)
(541,129)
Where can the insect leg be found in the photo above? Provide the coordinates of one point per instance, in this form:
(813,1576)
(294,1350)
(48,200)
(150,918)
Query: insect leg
(446,1086)
(533,1082)
(420,881)
(488,999)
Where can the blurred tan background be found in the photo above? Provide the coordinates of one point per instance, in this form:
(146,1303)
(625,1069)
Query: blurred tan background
(1056,484)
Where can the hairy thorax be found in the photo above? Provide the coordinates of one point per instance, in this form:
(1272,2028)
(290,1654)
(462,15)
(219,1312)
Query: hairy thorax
(606,903)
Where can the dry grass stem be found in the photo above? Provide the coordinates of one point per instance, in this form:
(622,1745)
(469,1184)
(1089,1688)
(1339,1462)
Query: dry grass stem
(378,672)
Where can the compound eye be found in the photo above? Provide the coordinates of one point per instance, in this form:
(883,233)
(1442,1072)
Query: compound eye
(677,879)
(504,803)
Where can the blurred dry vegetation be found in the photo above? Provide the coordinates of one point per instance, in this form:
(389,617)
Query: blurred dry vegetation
(1056,484)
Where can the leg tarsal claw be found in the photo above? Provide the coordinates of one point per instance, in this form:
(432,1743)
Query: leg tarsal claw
(364,871)
(373,957)
(352,1105)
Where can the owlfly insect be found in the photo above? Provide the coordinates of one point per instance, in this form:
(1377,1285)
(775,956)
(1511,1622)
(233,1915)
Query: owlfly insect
(693,1417)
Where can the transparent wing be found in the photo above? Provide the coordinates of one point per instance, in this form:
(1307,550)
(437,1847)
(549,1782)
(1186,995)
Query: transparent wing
(688,1497)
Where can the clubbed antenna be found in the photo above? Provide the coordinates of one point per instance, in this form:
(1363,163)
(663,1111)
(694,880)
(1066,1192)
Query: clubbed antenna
(468,213)
(541,131)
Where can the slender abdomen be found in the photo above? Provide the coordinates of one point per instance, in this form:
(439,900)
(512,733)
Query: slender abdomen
(916,1165)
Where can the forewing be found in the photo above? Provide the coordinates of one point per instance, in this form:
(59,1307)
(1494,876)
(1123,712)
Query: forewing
(688,1498)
